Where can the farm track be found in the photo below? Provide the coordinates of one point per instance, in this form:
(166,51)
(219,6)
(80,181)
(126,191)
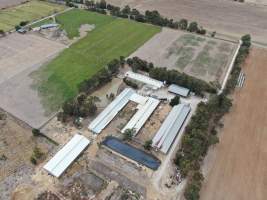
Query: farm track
(238,163)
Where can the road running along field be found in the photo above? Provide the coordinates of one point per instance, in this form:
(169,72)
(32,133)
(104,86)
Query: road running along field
(111,38)
(228,17)
(202,57)
(29,11)
(236,168)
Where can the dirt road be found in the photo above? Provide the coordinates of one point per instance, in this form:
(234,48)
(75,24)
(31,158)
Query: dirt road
(224,16)
(238,164)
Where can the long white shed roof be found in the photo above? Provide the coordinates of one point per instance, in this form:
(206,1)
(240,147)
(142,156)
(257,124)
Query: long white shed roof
(105,117)
(61,161)
(145,79)
(182,91)
(141,116)
(170,127)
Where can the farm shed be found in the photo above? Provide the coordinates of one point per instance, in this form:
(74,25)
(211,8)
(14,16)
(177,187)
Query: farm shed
(141,116)
(181,91)
(105,117)
(47,26)
(61,161)
(170,127)
(154,84)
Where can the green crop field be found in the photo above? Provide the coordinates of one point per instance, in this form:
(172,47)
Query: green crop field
(29,11)
(111,38)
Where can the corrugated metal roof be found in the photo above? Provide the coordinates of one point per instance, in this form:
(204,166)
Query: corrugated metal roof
(61,161)
(48,26)
(141,116)
(145,79)
(171,127)
(178,90)
(105,117)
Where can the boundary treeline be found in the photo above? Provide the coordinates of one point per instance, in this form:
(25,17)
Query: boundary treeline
(201,132)
(151,17)
(171,76)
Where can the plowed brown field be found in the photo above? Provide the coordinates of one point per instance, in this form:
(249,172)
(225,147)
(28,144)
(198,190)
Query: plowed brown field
(239,168)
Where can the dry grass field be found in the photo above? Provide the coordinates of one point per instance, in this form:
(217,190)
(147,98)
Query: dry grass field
(202,57)
(224,16)
(237,165)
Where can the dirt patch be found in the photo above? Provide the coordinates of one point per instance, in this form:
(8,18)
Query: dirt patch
(20,55)
(202,57)
(16,148)
(237,165)
(241,18)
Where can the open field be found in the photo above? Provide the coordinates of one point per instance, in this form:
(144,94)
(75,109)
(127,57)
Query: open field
(8,3)
(29,11)
(202,57)
(237,166)
(111,38)
(19,56)
(224,16)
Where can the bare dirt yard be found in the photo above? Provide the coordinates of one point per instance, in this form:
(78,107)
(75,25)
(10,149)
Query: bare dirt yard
(20,55)
(224,16)
(237,165)
(8,3)
(203,57)
(16,148)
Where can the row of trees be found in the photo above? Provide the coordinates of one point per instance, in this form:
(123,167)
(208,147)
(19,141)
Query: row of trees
(84,105)
(171,76)
(137,63)
(241,56)
(174,77)
(199,135)
(201,132)
(152,17)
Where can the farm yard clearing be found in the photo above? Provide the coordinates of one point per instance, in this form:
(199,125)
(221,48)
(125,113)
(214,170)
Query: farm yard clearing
(16,147)
(112,37)
(29,11)
(229,18)
(202,57)
(233,172)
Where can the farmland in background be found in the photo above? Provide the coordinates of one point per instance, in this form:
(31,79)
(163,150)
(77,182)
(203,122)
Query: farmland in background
(29,11)
(111,38)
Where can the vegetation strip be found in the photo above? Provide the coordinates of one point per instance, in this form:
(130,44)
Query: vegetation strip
(201,132)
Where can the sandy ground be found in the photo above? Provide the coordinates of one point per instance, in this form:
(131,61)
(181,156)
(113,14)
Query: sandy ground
(8,3)
(21,55)
(224,16)
(202,57)
(17,144)
(237,166)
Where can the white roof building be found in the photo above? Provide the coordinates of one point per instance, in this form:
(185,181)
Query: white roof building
(170,127)
(146,106)
(142,115)
(184,92)
(153,83)
(63,159)
(105,117)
